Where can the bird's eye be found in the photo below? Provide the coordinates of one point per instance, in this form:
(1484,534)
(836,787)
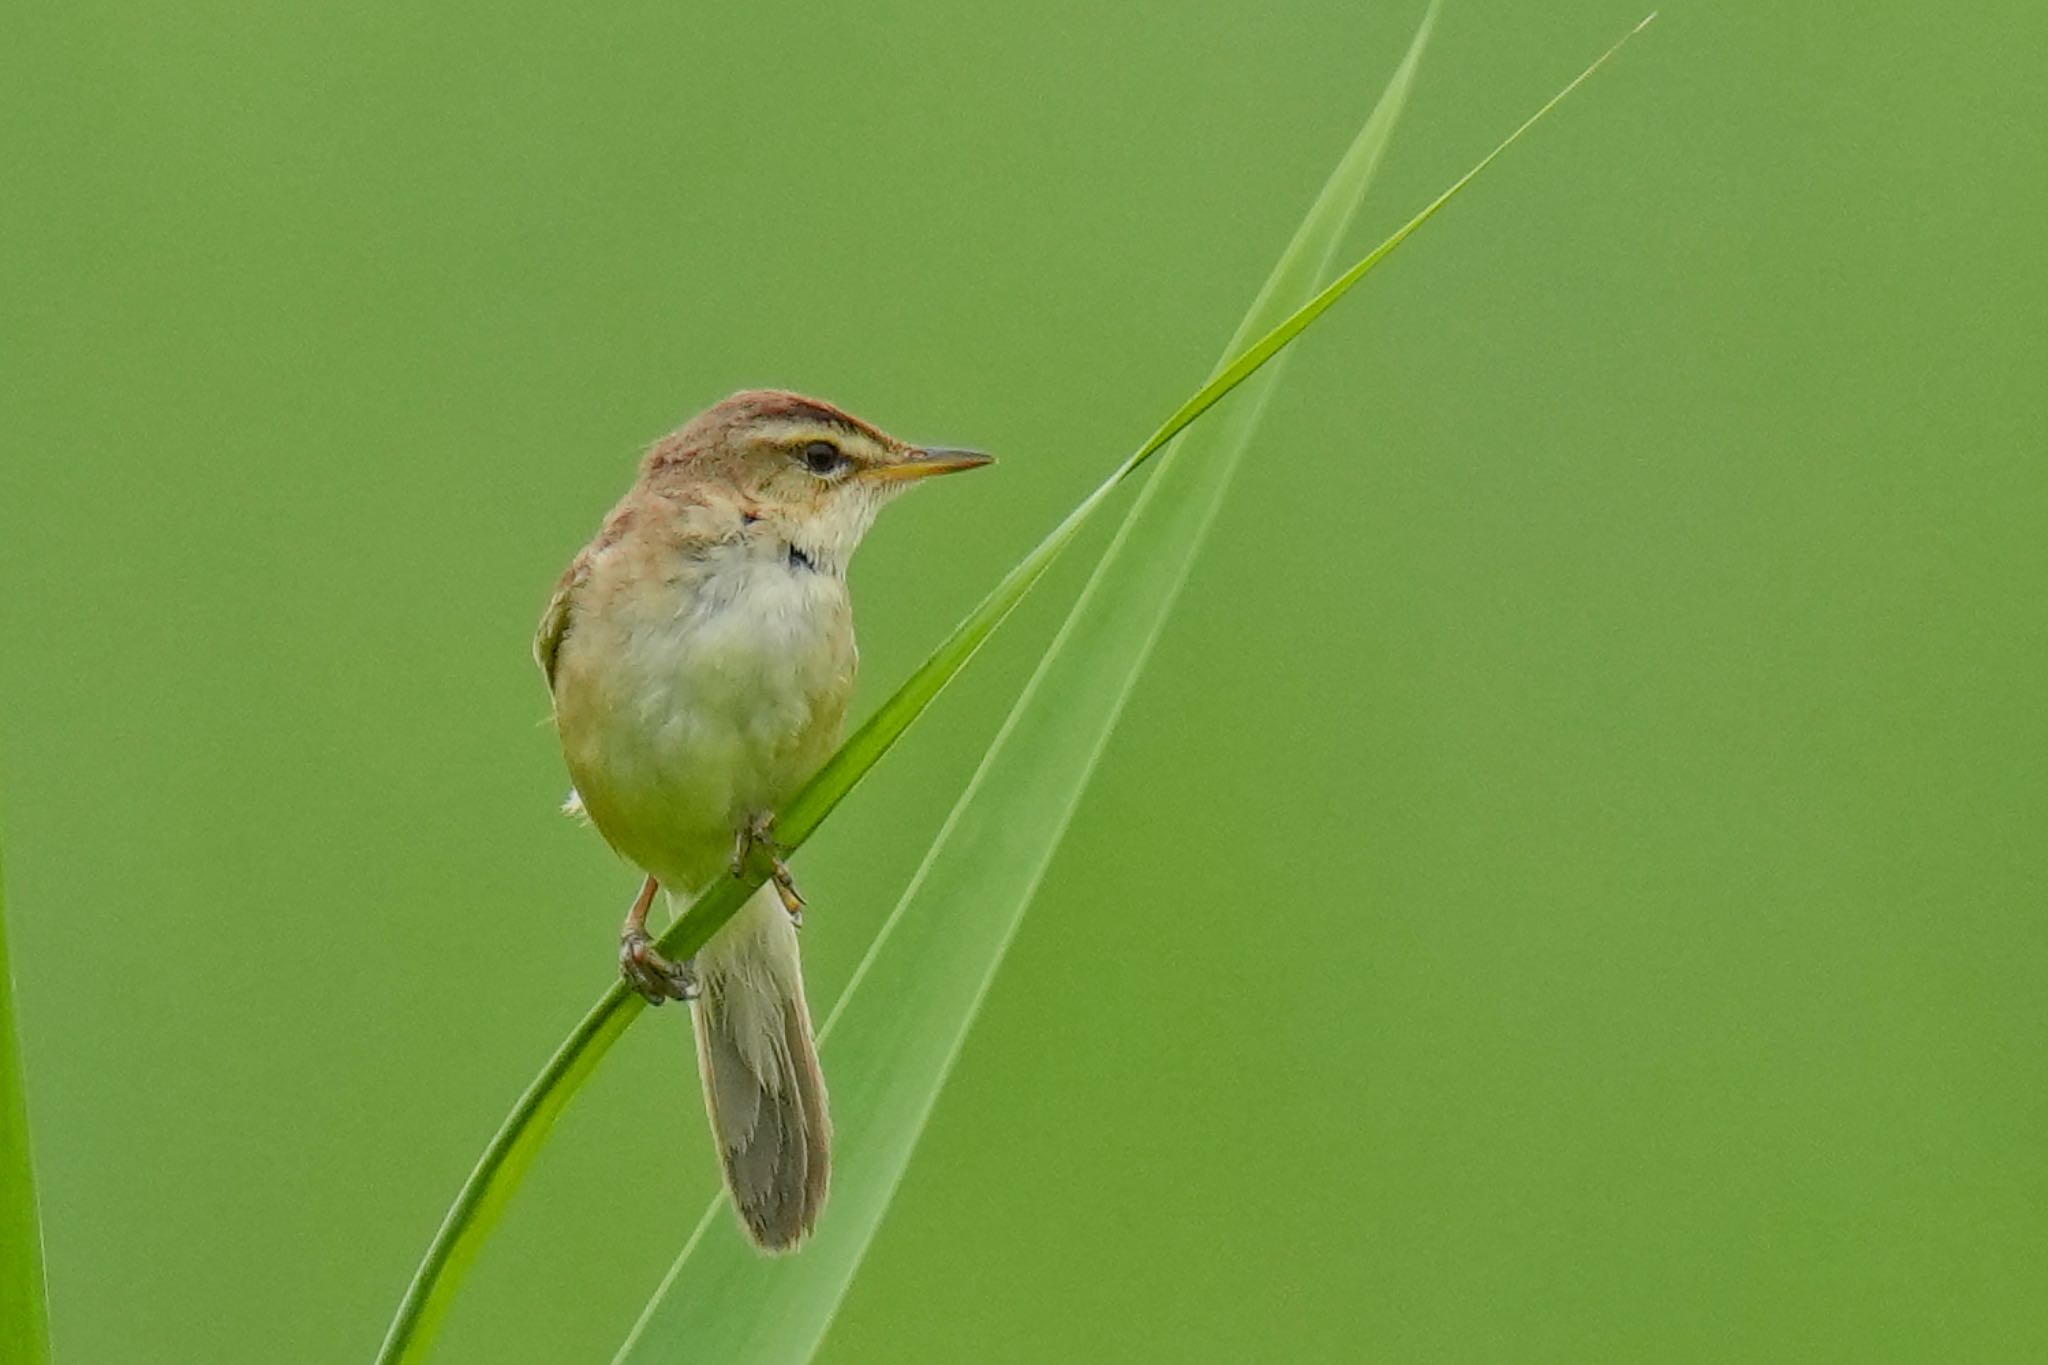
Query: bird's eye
(824,459)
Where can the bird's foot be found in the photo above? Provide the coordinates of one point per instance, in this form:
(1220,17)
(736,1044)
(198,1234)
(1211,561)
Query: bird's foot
(761,830)
(654,976)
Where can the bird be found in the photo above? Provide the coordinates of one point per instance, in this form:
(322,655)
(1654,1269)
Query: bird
(700,658)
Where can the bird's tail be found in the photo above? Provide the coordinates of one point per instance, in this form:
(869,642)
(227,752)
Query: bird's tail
(762,1085)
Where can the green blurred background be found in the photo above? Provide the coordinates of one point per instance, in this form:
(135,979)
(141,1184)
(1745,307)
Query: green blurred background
(1618,683)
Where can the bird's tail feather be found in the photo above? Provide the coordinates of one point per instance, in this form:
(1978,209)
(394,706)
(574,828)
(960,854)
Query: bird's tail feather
(762,1085)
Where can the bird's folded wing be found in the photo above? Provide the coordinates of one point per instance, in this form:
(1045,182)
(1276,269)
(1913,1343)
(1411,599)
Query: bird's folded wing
(554,620)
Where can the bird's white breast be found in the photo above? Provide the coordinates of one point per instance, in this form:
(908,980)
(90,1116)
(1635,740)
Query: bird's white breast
(722,691)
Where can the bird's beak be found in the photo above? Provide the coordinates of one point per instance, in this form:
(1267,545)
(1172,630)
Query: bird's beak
(919,464)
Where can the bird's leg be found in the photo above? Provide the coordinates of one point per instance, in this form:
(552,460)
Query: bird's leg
(645,970)
(760,829)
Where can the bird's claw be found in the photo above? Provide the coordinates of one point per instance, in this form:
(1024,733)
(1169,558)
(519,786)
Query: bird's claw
(654,976)
(758,828)
(761,830)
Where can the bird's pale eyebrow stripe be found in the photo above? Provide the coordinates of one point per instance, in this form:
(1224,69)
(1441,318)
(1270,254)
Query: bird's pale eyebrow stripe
(795,429)
(789,408)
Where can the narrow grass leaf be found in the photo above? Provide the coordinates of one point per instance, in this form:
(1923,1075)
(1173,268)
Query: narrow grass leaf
(512,1148)
(896,1030)
(24,1314)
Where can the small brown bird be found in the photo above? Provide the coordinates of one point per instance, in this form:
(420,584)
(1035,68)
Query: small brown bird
(700,654)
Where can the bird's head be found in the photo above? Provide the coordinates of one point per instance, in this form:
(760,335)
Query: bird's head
(798,467)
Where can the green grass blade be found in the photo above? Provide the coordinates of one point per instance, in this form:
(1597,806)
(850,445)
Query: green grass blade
(894,1034)
(24,1315)
(512,1148)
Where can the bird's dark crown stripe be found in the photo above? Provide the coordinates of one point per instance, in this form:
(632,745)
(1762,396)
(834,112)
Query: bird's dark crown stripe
(796,408)
(826,418)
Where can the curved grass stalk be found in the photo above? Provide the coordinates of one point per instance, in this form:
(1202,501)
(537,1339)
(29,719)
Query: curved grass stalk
(894,1034)
(518,1140)
(24,1316)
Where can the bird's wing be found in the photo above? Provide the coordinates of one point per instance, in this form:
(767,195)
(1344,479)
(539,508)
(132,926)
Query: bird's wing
(554,621)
